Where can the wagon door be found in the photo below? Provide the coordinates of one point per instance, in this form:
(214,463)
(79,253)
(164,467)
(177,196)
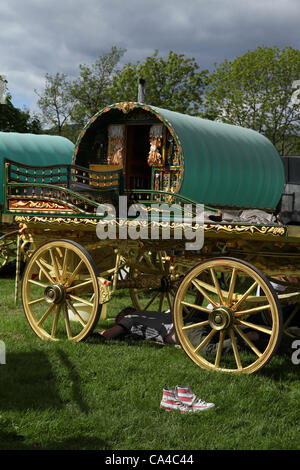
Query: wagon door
(137,170)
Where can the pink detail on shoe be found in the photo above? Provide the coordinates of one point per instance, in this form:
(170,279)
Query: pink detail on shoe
(170,402)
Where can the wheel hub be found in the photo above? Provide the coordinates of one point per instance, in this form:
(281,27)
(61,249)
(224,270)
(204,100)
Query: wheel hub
(220,318)
(54,294)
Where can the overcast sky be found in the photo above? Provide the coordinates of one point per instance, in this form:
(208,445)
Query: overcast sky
(49,36)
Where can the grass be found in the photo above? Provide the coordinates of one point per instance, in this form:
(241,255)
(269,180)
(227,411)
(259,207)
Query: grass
(95,396)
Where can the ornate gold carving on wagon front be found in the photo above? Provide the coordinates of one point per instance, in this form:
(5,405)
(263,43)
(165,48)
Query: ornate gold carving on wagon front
(125,107)
(37,206)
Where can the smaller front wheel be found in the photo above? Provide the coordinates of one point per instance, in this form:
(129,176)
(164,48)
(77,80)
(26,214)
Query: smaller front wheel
(60,291)
(225,331)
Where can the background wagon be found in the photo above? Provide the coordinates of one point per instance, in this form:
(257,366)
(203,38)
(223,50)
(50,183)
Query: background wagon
(155,156)
(26,149)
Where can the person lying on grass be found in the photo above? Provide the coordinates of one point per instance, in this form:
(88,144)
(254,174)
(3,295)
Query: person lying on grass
(158,326)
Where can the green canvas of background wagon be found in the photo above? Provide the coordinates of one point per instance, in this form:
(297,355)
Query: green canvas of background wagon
(34,149)
(155,156)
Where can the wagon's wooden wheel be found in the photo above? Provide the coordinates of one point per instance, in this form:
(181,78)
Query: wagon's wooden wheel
(158,277)
(226,333)
(60,291)
(152,271)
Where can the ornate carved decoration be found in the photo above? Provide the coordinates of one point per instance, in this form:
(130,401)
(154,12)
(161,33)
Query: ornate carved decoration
(37,206)
(264,230)
(154,158)
(116,145)
(125,107)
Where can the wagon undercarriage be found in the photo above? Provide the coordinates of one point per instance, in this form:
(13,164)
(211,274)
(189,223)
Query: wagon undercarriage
(223,290)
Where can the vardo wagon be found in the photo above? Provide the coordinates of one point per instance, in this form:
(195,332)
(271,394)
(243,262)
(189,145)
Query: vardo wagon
(238,282)
(28,149)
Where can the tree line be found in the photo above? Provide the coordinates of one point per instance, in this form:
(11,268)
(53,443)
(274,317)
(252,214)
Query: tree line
(254,90)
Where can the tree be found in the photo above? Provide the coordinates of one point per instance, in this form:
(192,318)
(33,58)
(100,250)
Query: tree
(175,83)
(91,91)
(255,91)
(56,102)
(13,119)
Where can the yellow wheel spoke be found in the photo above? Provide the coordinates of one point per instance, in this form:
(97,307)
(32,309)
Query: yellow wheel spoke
(205,341)
(204,293)
(67,321)
(71,279)
(65,265)
(235,349)
(37,283)
(220,349)
(80,299)
(36,301)
(50,278)
(253,326)
(195,325)
(231,287)
(54,262)
(244,297)
(85,283)
(55,321)
(247,340)
(252,311)
(46,314)
(217,285)
(44,263)
(197,307)
(71,307)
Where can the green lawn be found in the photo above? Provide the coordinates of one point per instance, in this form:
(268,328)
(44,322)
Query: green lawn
(106,396)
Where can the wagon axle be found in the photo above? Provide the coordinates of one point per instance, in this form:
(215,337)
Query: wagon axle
(220,318)
(55,294)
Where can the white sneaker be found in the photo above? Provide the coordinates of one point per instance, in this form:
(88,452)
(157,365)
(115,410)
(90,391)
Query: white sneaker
(189,399)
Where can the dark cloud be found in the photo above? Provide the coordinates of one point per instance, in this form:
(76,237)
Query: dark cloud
(52,36)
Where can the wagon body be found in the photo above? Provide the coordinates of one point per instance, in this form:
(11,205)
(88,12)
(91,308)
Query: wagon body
(156,156)
(201,160)
(26,149)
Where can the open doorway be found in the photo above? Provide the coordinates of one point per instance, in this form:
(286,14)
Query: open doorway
(138,172)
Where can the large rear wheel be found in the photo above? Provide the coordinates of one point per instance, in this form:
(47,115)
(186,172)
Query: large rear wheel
(225,331)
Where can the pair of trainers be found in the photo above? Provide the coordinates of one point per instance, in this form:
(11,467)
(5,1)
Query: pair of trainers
(184,400)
